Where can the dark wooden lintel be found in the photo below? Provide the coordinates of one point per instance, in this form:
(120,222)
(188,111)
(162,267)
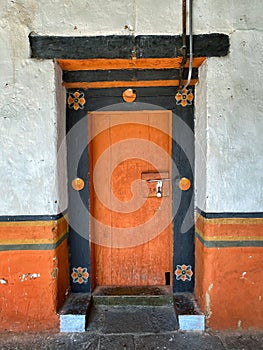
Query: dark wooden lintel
(124,46)
(126,75)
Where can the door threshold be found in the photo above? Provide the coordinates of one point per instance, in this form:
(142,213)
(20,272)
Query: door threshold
(132,290)
(133,295)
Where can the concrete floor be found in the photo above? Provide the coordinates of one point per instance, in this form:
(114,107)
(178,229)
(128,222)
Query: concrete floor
(133,341)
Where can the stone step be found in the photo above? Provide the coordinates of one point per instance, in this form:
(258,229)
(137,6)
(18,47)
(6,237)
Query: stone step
(190,317)
(132,319)
(76,311)
(73,315)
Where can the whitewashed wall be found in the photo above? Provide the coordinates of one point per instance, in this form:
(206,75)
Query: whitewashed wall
(228,118)
(229,97)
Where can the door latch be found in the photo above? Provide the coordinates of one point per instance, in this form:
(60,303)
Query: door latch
(156,184)
(159,188)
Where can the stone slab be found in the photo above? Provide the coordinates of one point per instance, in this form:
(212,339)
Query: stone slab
(72,323)
(132,319)
(117,342)
(243,340)
(73,313)
(178,341)
(191,322)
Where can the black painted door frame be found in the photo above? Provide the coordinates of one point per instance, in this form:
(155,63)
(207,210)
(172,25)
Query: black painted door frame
(78,166)
(126,47)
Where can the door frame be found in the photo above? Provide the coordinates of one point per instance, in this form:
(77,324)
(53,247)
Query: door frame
(161,97)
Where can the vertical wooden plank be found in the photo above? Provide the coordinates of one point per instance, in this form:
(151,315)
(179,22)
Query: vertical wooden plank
(126,129)
(101,215)
(160,135)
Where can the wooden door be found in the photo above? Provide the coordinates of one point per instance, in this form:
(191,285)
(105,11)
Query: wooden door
(131,230)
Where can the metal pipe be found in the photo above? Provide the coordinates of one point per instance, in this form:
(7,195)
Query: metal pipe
(184,29)
(184,47)
(190,44)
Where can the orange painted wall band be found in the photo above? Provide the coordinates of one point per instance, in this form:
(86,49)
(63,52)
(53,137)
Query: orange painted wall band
(230,228)
(28,303)
(114,84)
(114,64)
(228,286)
(32,234)
(229,232)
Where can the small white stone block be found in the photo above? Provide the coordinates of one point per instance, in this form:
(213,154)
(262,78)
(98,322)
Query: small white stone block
(191,322)
(72,323)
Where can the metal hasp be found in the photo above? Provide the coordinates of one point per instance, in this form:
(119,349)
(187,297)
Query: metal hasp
(159,188)
(155,184)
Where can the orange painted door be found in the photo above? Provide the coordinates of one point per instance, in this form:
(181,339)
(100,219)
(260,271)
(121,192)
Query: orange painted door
(131,230)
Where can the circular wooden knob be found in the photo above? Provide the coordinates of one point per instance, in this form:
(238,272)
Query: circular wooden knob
(129,95)
(77,184)
(184,184)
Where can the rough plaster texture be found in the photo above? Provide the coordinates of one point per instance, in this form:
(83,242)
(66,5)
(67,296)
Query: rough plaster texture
(89,17)
(229,103)
(28,140)
(61,180)
(201,139)
(30,108)
(229,91)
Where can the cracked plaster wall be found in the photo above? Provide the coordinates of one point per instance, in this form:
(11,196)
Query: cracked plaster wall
(228,107)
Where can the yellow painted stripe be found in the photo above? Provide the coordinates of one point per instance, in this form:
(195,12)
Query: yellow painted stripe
(228,238)
(34,241)
(230,221)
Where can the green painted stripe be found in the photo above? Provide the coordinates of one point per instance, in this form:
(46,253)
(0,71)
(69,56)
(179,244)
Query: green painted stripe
(18,218)
(46,246)
(226,244)
(230,215)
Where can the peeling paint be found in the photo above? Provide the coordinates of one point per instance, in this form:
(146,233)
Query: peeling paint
(208,301)
(54,273)
(3,281)
(239,324)
(243,275)
(26,276)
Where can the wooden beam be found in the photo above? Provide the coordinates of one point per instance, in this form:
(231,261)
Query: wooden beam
(131,84)
(124,46)
(114,64)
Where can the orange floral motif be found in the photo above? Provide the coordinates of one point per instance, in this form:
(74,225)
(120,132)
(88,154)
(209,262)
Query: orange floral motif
(80,275)
(76,100)
(184,98)
(183,272)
